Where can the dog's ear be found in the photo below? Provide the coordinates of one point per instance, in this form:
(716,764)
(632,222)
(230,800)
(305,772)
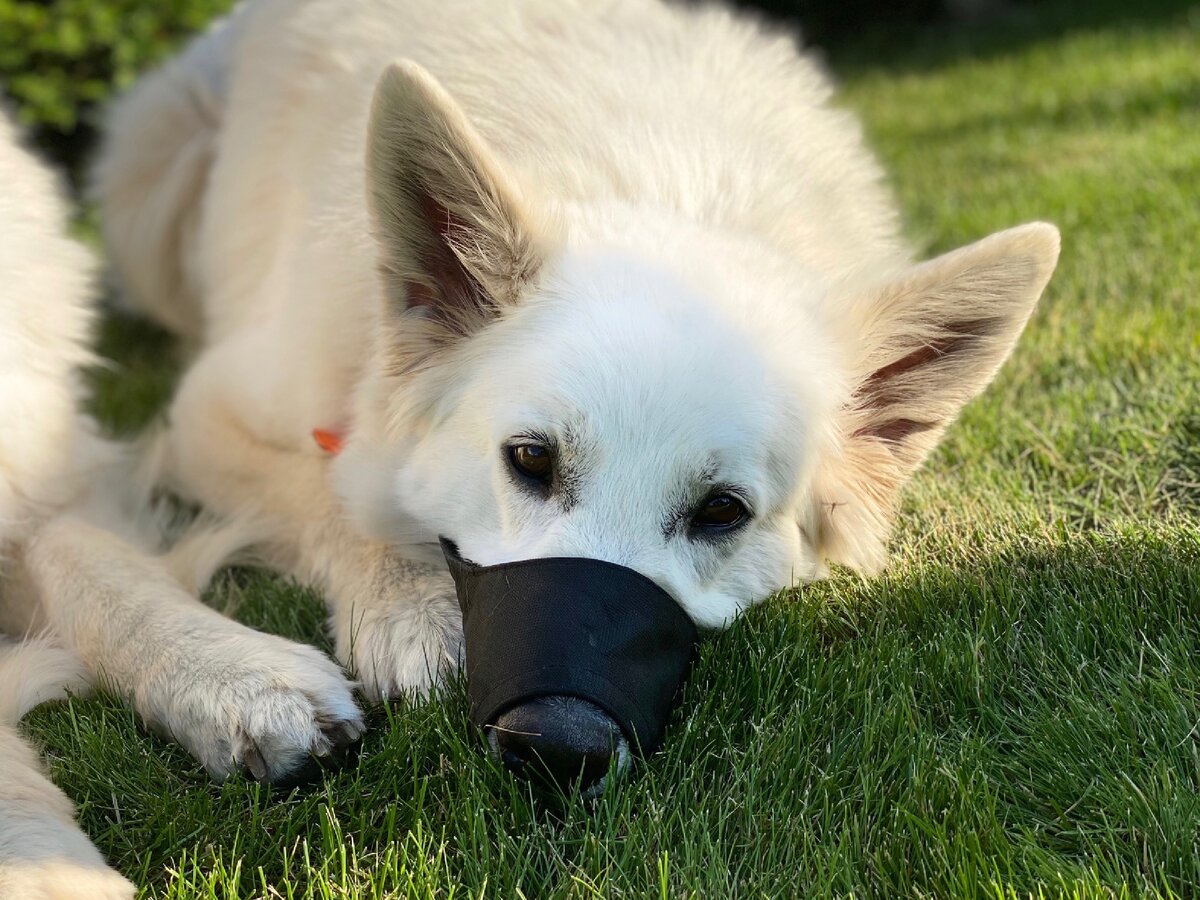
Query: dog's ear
(925,343)
(456,245)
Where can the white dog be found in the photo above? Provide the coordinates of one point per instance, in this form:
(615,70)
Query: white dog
(606,279)
(46,453)
(560,278)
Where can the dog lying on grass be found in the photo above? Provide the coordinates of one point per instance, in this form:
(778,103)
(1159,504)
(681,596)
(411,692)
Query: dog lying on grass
(604,280)
(48,453)
(599,280)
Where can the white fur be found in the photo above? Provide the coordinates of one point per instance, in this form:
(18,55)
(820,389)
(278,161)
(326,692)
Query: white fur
(45,455)
(44,323)
(638,229)
(43,854)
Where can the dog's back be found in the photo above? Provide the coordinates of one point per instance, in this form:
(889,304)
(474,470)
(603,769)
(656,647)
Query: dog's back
(692,110)
(698,110)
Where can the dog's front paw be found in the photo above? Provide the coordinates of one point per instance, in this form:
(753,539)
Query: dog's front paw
(275,708)
(406,647)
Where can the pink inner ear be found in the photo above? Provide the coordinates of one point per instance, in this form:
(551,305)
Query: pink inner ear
(894,431)
(886,386)
(439,219)
(420,294)
(879,392)
(449,291)
(874,389)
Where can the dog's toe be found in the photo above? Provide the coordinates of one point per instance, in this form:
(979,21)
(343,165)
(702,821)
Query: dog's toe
(278,712)
(340,737)
(252,759)
(332,745)
(288,738)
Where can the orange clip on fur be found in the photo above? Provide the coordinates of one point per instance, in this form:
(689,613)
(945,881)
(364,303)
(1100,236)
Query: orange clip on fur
(329,441)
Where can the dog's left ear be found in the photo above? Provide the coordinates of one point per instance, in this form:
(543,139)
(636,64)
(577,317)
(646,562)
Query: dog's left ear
(456,245)
(924,343)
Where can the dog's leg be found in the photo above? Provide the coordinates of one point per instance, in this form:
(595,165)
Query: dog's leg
(233,696)
(395,622)
(43,853)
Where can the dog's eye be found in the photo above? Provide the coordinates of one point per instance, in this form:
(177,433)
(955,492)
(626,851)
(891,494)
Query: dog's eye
(720,511)
(531,460)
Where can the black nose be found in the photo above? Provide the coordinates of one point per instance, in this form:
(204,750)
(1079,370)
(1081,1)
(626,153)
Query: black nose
(566,739)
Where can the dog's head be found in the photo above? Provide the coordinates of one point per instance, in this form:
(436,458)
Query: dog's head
(613,383)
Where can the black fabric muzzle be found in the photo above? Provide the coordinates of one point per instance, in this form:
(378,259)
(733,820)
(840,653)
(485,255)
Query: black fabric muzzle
(567,626)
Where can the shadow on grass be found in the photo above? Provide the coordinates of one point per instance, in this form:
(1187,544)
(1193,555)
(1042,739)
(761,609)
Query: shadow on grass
(1127,105)
(1039,704)
(911,47)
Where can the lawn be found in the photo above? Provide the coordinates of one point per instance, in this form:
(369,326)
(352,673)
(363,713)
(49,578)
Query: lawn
(1013,710)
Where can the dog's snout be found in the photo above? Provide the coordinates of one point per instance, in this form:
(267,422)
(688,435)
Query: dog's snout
(567,739)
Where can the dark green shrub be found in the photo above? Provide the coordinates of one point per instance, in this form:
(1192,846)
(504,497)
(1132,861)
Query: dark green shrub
(826,22)
(60,58)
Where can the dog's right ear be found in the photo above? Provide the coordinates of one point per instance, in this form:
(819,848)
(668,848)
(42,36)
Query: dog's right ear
(456,247)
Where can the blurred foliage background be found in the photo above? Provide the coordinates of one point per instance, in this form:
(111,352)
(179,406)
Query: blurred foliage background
(60,59)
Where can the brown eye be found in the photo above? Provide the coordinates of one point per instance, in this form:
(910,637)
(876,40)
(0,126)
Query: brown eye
(720,511)
(531,460)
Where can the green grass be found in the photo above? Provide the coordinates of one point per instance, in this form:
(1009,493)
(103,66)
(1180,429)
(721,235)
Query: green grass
(1014,710)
